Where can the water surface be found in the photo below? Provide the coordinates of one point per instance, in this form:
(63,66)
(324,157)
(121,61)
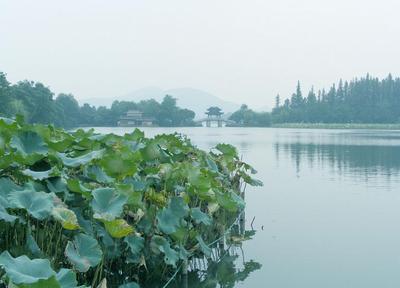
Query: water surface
(328,214)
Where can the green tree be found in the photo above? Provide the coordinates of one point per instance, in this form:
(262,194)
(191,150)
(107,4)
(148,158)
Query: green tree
(70,110)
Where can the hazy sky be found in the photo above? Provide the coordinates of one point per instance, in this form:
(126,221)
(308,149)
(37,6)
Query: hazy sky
(243,51)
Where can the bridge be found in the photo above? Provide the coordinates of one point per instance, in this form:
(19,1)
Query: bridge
(214,118)
(214,122)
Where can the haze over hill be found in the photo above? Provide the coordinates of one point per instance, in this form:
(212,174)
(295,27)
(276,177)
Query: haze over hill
(190,98)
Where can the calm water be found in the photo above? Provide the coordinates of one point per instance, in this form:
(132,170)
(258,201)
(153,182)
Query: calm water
(330,207)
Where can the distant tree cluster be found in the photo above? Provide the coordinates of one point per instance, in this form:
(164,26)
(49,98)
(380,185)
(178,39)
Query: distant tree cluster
(38,104)
(248,118)
(365,100)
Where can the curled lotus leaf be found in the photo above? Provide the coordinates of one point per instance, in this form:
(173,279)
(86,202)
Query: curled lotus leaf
(84,252)
(66,217)
(80,160)
(22,270)
(38,204)
(40,175)
(108,203)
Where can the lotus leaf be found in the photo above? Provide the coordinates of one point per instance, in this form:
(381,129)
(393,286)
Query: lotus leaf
(39,175)
(203,246)
(171,256)
(108,203)
(22,270)
(38,204)
(84,252)
(80,160)
(169,218)
(28,142)
(200,217)
(67,278)
(118,228)
(66,217)
(135,243)
(5,216)
(118,167)
(75,186)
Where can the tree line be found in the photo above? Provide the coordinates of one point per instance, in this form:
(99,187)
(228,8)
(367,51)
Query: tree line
(38,104)
(364,100)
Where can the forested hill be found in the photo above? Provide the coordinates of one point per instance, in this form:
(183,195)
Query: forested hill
(38,104)
(365,100)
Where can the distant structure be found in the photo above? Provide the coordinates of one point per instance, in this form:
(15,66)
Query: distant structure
(134,118)
(214,118)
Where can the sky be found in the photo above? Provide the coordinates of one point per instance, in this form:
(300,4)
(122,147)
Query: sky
(242,51)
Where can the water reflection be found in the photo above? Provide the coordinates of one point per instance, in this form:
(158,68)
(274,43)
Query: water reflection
(355,159)
(224,269)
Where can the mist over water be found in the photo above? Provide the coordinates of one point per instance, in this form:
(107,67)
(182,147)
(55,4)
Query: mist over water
(327,215)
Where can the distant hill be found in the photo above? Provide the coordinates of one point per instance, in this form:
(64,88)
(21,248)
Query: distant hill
(193,99)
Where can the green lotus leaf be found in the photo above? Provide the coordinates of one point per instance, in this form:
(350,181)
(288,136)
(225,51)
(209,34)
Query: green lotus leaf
(118,167)
(80,160)
(61,145)
(134,197)
(227,201)
(169,218)
(6,187)
(203,246)
(118,228)
(211,164)
(67,278)
(66,217)
(32,245)
(200,217)
(227,149)
(51,282)
(57,185)
(28,142)
(84,252)
(24,271)
(40,175)
(171,256)
(97,173)
(129,285)
(238,200)
(108,203)
(75,186)
(5,216)
(135,243)
(38,204)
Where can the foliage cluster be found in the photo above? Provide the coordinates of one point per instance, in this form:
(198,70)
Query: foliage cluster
(77,208)
(365,100)
(248,118)
(38,104)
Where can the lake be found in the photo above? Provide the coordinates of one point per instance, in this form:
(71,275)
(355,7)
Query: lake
(328,214)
